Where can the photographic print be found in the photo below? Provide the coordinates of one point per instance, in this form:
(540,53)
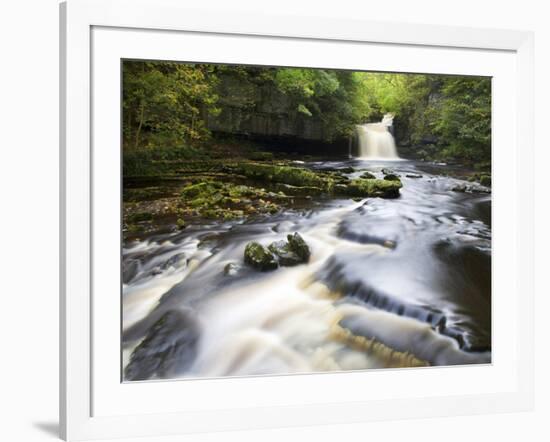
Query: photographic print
(282,220)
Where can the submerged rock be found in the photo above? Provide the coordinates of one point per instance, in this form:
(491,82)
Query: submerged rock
(168,349)
(387,171)
(259,257)
(130,269)
(470,188)
(231,269)
(413,175)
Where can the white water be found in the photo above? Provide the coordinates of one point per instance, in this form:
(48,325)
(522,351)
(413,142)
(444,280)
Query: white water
(376,141)
(291,320)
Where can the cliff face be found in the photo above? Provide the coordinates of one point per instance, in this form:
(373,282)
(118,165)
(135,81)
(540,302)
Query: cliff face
(264,113)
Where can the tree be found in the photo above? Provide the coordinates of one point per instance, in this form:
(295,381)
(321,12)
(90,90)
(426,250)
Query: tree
(464,123)
(164,103)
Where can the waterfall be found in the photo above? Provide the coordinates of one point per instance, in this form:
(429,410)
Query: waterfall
(376,141)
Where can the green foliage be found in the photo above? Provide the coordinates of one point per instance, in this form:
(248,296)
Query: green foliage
(465,119)
(165,104)
(334,97)
(168,106)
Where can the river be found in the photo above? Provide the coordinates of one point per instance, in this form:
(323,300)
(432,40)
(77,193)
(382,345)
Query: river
(390,283)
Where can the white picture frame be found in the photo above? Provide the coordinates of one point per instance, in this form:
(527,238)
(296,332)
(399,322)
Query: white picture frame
(90,407)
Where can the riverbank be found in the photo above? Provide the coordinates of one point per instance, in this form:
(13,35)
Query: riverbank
(169,189)
(182,187)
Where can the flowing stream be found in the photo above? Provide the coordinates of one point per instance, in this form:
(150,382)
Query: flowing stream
(390,283)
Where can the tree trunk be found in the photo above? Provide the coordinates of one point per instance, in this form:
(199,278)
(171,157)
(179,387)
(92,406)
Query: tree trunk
(138,131)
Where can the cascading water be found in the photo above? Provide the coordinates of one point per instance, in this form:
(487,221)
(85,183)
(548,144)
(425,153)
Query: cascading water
(376,141)
(381,289)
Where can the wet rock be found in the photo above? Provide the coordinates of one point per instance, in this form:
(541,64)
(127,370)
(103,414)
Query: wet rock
(381,233)
(373,188)
(168,349)
(367,176)
(285,256)
(130,268)
(299,246)
(413,175)
(348,169)
(470,188)
(231,269)
(177,261)
(259,257)
(391,177)
(387,171)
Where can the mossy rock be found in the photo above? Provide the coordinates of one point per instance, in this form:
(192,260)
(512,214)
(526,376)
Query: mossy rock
(485,180)
(373,188)
(139,217)
(391,177)
(259,257)
(368,176)
(286,257)
(295,176)
(297,245)
(180,223)
(347,169)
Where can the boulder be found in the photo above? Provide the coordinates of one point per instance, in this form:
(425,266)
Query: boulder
(259,257)
(298,246)
(285,256)
(391,177)
(372,188)
(367,176)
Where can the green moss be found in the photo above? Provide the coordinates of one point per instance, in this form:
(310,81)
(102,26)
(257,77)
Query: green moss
(285,256)
(373,188)
(297,245)
(139,217)
(259,257)
(485,180)
(180,223)
(367,176)
(227,201)
(295,176)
